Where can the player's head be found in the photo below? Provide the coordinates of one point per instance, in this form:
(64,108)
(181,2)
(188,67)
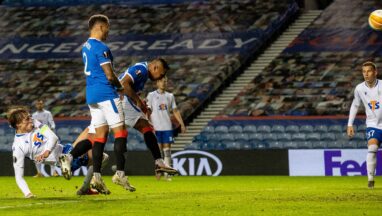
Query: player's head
(158,69)
(162,83)
(99,26)
(39,104)
(20,119)
(369,71)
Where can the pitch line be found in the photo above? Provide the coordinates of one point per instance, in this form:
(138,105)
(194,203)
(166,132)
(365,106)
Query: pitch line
(39,203)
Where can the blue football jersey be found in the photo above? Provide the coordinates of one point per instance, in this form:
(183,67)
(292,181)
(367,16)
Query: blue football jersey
(98,88)
(139,73)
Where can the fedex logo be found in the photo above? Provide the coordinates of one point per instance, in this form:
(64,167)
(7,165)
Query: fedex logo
(373,105)
(336,162)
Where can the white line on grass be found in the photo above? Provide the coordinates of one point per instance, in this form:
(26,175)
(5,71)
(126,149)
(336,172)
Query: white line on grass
(39,203)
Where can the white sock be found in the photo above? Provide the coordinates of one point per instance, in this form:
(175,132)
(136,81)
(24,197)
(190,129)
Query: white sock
(52,169)
(167,156)
(371,161)
(38,167)
(97,175)
(120,173)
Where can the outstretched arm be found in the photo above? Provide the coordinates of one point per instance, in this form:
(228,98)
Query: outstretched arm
(18,166)
(353,112)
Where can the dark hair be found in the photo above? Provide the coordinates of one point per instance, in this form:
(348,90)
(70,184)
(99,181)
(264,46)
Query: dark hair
(165,65)
(16,115)
(97,18)
(371,64)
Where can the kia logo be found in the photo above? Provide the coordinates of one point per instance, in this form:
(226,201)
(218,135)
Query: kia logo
(194,162)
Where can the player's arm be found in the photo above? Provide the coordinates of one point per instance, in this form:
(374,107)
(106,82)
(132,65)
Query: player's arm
(353,112)
(177,114)
(110,75)
(128,90)
(149,105)
(18,166)
(51,142)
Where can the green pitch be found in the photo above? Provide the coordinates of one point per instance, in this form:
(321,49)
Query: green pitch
(229,195)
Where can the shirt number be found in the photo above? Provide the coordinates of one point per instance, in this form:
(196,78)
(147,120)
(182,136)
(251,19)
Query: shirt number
(85,57)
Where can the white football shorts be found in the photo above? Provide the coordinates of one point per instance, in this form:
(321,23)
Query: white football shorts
(132,112)
(107,113)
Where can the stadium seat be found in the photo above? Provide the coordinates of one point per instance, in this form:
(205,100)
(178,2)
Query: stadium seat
(231,145)
(335,129)
(362,128)
(221,129)
(278,129)
(284,137)
(313,137)
(2,132)
(212,137)
(62,131)
(275,145)
(258,137)
(292,129)
(304,145)
(290,145)
(263,129)
(247,146)
(362,144)
(334,144)
(348,144)
(318,144)
(321,129)
(359,137)
(241,137)
(209,129)
(306,129)
(76,130)
(328,137)
(268,137)
(235,129)
(298,137)
(260,145)
(193,146)
(249,129)
(220,146)
(342,136)
(209,145)
(227,137)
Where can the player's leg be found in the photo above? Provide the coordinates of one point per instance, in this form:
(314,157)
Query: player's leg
(53,171)
(38,169)
(147,130)
(85,188)
(371,158)
(165,141)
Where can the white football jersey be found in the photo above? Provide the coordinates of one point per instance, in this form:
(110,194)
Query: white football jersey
(45,117)
(371,99)
(29,145)
(161,105)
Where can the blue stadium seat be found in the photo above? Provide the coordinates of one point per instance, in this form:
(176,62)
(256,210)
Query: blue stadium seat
(241,137)
(290,145)
(221,129)
(247,146)
(359,137)
(328,137)
(362,128)
(132,144)
(2,132)
(209,129)
(348,144)
(334,144)
(263,129)
(362,144)
(292,129)
(278,129)
(220,146)
(212,137)
(284,137)
(208,145)
(306,129)
(235,129)
(335,128)
(342,136)
(318,144)
(260,145)
(298,137)
(76,130)
(304,145)
(268,137)
(227,137)
(232,145)
(321,129)
(313,137)
(258,137)
(199,138)
(62,131)
(249,129)
(275,145)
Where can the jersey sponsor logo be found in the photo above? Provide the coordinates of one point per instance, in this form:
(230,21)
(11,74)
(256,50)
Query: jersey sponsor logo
(194,162)
(38,139)
(373,105)
(138,73)
(162,107)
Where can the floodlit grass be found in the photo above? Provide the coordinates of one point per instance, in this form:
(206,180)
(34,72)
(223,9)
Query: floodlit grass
(225,195)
